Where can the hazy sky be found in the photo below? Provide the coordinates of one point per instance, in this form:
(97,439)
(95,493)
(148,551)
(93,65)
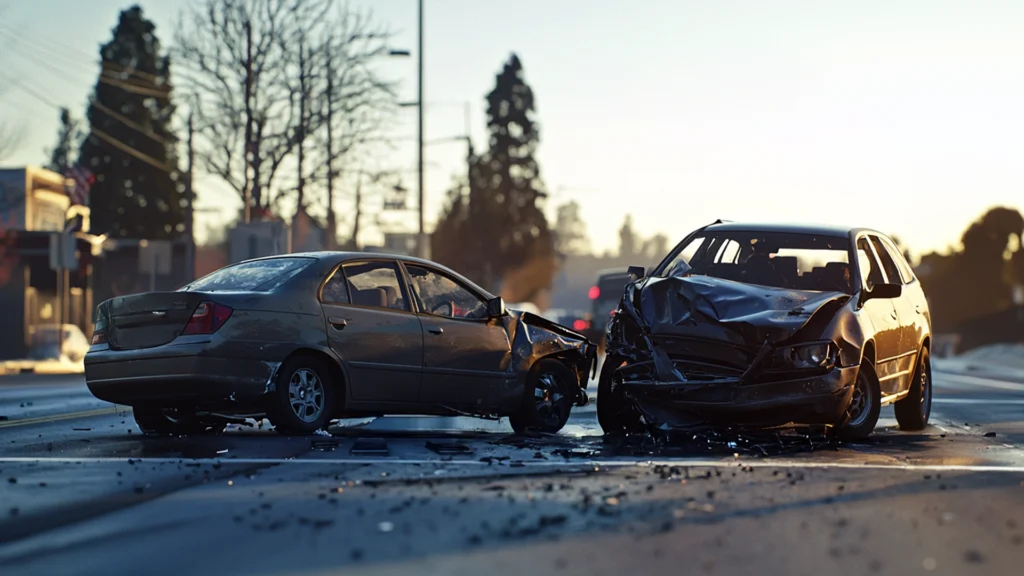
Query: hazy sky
(904,116)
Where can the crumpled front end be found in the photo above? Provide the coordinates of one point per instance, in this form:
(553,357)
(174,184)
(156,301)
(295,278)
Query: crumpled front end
(534,337)
(698,351)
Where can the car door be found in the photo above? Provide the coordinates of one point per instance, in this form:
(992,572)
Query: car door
(883,317)
(372,328)
(466,354)
(909,306)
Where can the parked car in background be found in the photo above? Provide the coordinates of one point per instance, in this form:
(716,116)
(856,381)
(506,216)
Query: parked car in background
(604,296)
(766,325)
(578,320)
(306,338)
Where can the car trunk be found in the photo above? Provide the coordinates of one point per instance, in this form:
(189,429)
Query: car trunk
(150,319)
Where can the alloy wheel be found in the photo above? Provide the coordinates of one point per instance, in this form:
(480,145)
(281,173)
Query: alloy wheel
(306,395)
(549,398)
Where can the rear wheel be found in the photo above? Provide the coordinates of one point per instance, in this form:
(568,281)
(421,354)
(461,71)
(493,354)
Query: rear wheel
(865,406)
(615,413)
(549,395)
(155,421)
(304,397)
(913,411)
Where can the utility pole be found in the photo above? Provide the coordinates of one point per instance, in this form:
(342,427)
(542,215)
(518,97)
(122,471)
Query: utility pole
(332,223)
(190,197)
(248,185)
(421,241)
(301,136)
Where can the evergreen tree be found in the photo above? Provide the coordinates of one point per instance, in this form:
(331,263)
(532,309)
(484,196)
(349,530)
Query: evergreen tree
(69,138)
(138,192)
(499,223)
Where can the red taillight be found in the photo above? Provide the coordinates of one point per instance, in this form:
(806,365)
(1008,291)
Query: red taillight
(580,325)
(594,293)
(99,337)
(207,318)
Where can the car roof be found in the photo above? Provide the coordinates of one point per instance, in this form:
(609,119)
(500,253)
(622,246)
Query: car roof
(343,256)
(792,228)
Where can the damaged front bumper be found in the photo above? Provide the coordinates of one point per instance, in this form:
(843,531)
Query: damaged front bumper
(817,400)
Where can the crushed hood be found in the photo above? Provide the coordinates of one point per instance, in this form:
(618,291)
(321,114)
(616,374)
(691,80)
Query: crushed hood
(712,308)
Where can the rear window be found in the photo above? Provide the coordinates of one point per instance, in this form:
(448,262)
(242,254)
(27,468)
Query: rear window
(256,276)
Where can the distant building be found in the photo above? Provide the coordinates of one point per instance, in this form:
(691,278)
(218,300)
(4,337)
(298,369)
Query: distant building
(402,243)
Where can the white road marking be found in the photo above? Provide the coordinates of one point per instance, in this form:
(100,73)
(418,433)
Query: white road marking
(697,462)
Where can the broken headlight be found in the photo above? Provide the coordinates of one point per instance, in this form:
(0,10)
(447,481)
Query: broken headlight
(811,355)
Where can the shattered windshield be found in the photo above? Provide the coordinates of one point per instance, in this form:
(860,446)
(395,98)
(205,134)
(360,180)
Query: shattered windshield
(776,259)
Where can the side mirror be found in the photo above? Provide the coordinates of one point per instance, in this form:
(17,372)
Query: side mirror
(887,291)
(635,272)
(496,307)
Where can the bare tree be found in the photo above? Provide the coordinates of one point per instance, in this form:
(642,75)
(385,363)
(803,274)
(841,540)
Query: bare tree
(267,79)
(236,65)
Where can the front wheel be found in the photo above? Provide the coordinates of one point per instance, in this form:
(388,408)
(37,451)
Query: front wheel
(550,391)
(912,412)
(865,406)
(303,400)
(615,413)
(153,421)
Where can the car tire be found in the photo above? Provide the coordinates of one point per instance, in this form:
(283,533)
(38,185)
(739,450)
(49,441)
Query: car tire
(615,413)
(154,421)
(303,400)
(862,414)
(912,412)
(548,398)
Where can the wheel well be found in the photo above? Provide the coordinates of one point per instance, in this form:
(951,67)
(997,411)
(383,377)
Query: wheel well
(575,359)
(869,352)
(927,344)
(337,376)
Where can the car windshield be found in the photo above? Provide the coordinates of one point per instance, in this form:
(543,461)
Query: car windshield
(777,259)
(255,276)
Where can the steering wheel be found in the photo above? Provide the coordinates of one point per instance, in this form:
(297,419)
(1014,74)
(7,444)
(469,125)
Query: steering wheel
(443,309)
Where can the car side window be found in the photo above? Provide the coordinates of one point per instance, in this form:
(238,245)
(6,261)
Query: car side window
(441,295)
(869,267)
(906,272)
(375,284)
(336,289)
(892,272)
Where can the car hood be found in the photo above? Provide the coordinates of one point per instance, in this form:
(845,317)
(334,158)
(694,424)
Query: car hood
(713,308)
(534,337)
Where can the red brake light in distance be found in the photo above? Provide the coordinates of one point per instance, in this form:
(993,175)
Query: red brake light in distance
(594,293)
(208,318)
(580,324)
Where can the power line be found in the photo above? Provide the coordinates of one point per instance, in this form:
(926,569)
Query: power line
(129,150)
(131,123)
(20,86)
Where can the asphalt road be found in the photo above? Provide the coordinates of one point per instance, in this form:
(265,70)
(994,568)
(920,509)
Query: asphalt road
(81,492)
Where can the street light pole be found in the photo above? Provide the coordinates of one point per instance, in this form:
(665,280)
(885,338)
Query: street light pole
(421,241)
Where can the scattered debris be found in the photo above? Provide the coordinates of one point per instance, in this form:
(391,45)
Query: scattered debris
(990,434)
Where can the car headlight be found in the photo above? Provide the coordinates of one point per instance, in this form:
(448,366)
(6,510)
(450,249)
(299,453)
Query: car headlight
(812,355)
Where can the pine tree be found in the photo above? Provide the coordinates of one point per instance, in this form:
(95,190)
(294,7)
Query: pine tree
(69,138)
(138,192)
(499,224)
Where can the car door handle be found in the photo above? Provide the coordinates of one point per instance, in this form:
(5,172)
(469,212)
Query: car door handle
(436,330)
(338,323)
(917,309)
(893,315)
